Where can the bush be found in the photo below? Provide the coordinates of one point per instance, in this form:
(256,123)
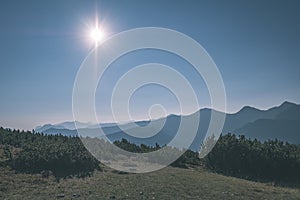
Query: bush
(251,159)
(63,156)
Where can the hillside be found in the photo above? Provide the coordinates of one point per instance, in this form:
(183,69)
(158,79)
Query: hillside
(169,183)
(36,166)
(268,129)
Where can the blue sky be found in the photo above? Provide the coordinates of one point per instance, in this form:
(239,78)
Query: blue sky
(255,44)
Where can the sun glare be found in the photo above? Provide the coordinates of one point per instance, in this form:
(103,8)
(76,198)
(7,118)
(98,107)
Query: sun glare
(97,35)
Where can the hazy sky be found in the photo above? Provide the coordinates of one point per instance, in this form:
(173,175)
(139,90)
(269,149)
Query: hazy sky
(255,44)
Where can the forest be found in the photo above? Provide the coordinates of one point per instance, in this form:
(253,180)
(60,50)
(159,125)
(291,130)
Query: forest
(62,156)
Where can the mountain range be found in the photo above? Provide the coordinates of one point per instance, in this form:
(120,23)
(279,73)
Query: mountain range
(280,122)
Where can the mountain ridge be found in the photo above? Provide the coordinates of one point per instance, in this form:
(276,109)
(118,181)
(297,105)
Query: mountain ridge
(248,121)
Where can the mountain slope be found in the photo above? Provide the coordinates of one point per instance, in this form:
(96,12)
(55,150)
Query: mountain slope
(281,122)
(268,129)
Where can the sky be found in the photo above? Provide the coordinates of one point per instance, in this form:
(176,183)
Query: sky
(255,45)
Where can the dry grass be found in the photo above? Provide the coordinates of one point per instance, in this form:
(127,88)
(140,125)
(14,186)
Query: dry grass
(169,183)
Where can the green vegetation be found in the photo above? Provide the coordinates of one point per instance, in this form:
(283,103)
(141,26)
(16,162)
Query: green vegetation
(269,161)
(187,159)
(126,145)
(37,153)
(31,165)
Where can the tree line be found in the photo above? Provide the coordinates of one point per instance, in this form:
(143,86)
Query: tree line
(232,155)
(59,155)
(271,160)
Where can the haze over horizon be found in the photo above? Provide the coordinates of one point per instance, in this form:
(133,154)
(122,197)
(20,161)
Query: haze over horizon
(254,44)
(146,119)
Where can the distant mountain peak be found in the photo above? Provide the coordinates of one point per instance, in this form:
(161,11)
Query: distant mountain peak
(173,115)
(205,109)
(287,103)
(248,108)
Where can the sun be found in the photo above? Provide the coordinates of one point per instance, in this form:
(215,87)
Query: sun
(97,35)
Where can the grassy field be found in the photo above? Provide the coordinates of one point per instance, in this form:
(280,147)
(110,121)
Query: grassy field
(169,183)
